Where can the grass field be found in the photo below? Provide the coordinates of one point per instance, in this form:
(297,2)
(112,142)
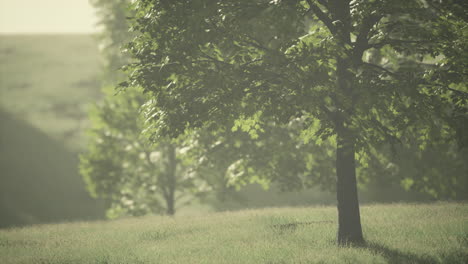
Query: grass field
(395,233)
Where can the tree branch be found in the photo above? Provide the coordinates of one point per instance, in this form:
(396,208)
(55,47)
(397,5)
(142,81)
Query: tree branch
(457,92)
(396,42)
(380,68)
(323,2)
(205,55)
(363,36)
(251,41)
(461,93)
(322,16)
(387,132)
(213,59)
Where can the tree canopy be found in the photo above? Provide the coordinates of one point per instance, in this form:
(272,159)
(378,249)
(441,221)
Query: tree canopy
(211,61)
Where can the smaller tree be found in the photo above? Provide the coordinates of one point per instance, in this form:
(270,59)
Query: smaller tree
(134,175)
(112,20)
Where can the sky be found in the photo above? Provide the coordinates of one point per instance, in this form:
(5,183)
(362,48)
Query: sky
(46,16)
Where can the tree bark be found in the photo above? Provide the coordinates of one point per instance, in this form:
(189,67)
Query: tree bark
(349,219)
(171,179)
(170,210)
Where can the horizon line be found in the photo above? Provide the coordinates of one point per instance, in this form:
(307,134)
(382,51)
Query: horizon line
(51,33)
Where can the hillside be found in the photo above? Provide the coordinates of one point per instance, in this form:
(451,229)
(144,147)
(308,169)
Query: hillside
(46,84)
(49,81)
(397,233)
(39,180)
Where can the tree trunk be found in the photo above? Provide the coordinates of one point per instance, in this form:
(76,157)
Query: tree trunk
(349,220)
(170,209)
(171,179)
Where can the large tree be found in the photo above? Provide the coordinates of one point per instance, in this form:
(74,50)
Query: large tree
(366,71)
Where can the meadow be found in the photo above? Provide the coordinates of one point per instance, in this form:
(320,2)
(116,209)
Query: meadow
(395,233)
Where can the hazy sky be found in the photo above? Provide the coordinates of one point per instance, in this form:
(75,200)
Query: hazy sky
(46,16)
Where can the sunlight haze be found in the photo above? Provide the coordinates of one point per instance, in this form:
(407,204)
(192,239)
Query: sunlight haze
(46,16)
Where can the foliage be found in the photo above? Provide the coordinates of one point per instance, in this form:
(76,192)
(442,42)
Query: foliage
(277,154)
(135,175)
(113,19)
(437,171)
(289,63)
(387,72)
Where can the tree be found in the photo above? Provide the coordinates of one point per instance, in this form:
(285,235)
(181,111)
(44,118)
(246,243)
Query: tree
(366,71)
(135,175)
(114,34)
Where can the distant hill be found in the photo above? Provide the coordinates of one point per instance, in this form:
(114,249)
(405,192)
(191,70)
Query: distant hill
(49,81)
(39,180)
(46,84)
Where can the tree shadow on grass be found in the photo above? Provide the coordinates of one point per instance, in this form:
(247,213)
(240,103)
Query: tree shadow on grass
(391,255)
(395,256)
(291,227)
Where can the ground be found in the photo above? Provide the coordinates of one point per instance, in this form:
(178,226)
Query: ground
(395,233)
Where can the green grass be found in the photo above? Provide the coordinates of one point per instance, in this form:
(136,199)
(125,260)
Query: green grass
(395,233)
